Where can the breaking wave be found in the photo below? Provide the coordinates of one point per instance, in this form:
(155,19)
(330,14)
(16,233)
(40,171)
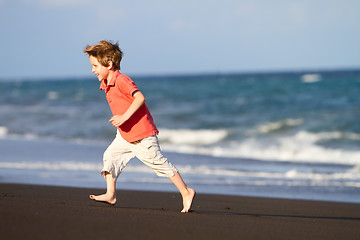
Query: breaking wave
(300,147)
(349,178)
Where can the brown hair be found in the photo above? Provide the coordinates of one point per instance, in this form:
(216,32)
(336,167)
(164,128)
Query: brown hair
(104,52)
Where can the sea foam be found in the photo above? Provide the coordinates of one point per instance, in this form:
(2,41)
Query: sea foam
(310,78)
(3,132)
(299,147)
(195,137)
(220,174)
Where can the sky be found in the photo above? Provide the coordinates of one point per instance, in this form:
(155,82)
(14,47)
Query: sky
(45,38)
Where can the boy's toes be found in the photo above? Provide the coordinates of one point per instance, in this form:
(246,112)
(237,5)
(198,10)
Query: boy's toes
(104,198)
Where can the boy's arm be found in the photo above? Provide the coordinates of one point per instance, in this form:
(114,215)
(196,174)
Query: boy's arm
(118,120)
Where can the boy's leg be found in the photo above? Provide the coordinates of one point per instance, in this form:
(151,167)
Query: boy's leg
(187,193)
(115,158)
(110,195)
(148,151)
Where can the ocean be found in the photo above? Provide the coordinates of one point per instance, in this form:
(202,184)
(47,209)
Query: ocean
(288,134)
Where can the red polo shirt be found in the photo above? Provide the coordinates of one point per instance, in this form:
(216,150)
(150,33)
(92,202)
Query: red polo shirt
(119,93)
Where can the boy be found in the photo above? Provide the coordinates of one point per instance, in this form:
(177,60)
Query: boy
(136,132)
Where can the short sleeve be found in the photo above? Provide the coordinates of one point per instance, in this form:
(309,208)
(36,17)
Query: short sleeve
(127,86)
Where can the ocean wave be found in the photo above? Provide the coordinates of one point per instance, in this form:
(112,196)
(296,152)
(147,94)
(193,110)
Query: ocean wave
(52,95)
(75,166)
(6,134)
(350,178)
(249,182)
(316,137)
(311,78)
(194,137)
(280,125)
(3,132)
(300,147)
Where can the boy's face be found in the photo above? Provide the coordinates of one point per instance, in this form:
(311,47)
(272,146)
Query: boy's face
(99,70)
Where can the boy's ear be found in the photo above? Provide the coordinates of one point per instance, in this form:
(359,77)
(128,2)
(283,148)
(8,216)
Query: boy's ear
(110,65)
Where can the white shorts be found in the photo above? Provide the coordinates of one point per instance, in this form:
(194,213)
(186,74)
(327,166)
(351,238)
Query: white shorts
(120,152)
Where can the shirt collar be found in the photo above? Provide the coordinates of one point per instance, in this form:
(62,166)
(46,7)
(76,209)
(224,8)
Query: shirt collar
(105,83)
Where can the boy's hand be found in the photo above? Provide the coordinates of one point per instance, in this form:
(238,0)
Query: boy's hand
(117,120)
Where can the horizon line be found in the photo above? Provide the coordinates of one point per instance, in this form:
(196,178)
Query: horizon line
(194,74)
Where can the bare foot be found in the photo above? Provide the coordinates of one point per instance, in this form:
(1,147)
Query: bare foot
(188,199)
(107,198)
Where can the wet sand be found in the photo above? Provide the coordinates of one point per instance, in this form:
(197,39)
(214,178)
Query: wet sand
(47,212)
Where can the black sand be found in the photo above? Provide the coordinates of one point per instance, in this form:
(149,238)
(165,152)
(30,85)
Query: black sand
(43,212)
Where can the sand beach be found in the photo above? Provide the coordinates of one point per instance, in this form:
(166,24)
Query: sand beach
(49,212)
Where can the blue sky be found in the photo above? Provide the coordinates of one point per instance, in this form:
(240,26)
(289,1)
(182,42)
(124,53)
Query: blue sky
(45,38)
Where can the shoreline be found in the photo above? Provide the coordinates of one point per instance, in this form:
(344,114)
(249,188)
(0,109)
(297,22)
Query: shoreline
(48,212)
(61,163)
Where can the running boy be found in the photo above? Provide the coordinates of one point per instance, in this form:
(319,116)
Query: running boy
(136,132)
